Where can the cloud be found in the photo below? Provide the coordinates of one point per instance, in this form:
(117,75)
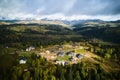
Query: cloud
(62,9)
(40,10)
(96,7)
(10,7)
(80,17)
(61,16)
(66,8)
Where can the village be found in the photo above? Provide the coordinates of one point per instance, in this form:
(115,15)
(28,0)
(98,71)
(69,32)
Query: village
(59,54)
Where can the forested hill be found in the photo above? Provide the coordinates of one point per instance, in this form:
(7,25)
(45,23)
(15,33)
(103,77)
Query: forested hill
(98,43)
(34,22)
(97,23)
(109,34)
(108,31)
(105,30)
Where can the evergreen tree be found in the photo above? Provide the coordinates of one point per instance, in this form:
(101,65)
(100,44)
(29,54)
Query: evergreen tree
(26,75)
(77,76)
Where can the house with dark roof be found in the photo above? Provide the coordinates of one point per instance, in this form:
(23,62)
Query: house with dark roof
(56,61)
(53,51)
(71,59)
(66,63)
(75,44)
(70,54)
(23,60)
(60,54)
(60,47)
(79,56)
(61,62)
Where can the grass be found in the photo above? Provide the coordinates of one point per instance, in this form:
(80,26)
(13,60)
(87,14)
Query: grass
(65,57)
(26,53)
(82,51)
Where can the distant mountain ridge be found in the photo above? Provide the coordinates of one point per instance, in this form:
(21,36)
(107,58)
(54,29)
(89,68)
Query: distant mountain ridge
(70,22)
(34,22)
(105,30)
(66,23)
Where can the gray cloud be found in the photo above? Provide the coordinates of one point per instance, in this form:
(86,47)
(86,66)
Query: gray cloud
(18,8)
(10,7)
(96,7)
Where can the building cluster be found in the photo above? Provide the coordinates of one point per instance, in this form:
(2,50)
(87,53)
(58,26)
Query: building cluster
(52,55)
(71,55)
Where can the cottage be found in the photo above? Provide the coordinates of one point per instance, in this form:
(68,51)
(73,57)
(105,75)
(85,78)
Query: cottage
(72,59)
(79,56)
(38,55)
(66,63)
(30,48)
(60,47)
(47,51)
(75,44)
(57,61)
(61,62)
(70,54)
(27,49)
(23,60)
(60,54)
(53,51)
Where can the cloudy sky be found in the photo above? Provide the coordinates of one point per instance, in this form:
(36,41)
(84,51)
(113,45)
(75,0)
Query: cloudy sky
(60,9)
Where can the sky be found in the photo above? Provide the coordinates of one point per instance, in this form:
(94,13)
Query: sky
(60,9)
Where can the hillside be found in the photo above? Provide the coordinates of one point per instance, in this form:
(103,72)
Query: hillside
(110,34)
(33,22)
(53,51)
(97,23)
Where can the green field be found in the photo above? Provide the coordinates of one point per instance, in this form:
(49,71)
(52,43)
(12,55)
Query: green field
(65,58)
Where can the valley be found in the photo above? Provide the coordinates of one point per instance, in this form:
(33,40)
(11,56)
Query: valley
(58,50)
